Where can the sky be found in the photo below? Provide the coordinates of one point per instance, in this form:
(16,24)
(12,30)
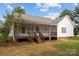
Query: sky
(51,10)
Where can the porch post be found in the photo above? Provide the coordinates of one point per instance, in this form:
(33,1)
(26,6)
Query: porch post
(34,28)
(13,33)
(50,33)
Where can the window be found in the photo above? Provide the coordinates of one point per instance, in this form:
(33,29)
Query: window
(45,28)
(23,30)
(63,30)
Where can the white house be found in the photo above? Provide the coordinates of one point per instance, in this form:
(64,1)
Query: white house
(62,27)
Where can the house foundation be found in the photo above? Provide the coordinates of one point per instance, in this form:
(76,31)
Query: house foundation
(65,38)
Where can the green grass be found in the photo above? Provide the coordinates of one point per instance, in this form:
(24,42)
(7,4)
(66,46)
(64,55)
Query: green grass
(68,47)
(70,44)
(76,38)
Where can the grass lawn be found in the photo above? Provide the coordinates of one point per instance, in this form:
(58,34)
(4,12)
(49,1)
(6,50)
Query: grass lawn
(49,48)
(68,47)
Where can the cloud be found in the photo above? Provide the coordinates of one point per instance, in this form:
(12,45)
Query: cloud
(10,7)
(53,15)
(46,6)
(22,6)
(75,4)
(43,10)
(53,5)
(1,18)
(38,5)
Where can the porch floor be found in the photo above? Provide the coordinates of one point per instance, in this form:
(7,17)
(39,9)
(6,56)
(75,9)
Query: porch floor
(26,39)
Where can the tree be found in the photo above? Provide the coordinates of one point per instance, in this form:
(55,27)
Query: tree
(65,12)
(10,17)
(76,11)
(70,13)
(5,27)
(4,30)
(19,10)
(9,21)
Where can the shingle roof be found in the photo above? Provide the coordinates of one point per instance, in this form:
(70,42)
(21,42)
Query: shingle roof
(57,20)
(39,20)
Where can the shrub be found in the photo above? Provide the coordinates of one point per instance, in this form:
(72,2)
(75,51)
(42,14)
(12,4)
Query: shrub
(31,36)
(76,37)
(3,38)
(4,31)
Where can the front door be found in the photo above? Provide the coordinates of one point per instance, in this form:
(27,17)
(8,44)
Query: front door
(37,29)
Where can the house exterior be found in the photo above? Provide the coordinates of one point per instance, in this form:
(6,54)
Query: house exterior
(61,27)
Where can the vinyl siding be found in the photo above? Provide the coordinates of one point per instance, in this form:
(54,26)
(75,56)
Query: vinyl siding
(69,28)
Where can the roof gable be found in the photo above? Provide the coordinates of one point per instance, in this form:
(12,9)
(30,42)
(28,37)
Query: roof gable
(72,22)
(56,21)
(69,20)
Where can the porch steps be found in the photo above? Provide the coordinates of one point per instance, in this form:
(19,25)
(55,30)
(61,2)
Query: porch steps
(39,37)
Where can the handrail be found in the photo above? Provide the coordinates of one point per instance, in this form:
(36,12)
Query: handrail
(41,36)
(36,35)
